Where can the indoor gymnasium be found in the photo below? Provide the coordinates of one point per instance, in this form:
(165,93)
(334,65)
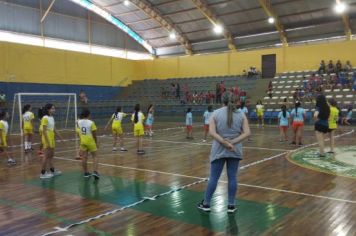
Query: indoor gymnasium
(177,117)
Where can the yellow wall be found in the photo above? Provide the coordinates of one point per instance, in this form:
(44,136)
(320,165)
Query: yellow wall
(292,58)
(20,63)
(29,64)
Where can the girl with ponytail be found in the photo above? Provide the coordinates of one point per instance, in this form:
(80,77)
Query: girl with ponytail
(298,116)
(137,119)
(283,121)
(229,127)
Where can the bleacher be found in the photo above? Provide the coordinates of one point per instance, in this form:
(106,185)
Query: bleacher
(150,90)
(285,84)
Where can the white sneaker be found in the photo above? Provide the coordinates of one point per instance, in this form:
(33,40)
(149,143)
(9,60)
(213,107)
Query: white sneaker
(11,162)
(123,149)
(46,175)
(56,172)
(204,141)
(114,149)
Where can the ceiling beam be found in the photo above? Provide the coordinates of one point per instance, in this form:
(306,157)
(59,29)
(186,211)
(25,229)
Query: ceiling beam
(209,14)
(346,21)
(47,11)
(153,13)
(266,5)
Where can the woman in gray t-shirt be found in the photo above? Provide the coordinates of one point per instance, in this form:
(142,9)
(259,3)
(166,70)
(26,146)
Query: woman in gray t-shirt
(229,127)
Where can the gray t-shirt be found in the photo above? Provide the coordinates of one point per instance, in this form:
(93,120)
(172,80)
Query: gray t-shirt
(218,150)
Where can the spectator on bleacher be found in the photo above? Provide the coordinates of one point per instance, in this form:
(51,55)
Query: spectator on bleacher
(331,68)
(252,72)
(270,93)
(309,95)
(301,94)
(201,98)
(2,99)
(83,98)
(338,68)
(285,102)
(348,66)
(295,95)
(322,68)
(195,97)
(178,91)
(218,94)
(243,96)
(354,81)
(173,90)
(235,91)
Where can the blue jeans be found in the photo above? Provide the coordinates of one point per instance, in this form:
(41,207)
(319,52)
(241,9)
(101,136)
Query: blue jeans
(232,166)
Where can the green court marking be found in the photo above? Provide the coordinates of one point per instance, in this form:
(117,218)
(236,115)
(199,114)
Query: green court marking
(48,215)
(252,217)
(309,158)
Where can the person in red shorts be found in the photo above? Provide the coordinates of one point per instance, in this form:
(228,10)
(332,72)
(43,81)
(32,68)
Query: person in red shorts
(206,116)
(298,116)
(189,123)
(283,121)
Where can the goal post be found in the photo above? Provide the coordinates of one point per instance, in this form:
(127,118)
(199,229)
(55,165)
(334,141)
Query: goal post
(65,104)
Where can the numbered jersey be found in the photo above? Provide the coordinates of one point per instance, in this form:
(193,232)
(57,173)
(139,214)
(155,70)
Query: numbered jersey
(86,128)
(118,117)
(27,118)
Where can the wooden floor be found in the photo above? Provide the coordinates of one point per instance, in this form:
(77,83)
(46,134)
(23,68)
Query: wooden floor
(156,194)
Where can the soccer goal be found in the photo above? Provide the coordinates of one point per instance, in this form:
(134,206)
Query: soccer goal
(65,115)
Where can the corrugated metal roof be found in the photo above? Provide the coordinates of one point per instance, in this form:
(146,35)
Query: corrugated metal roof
(245,20)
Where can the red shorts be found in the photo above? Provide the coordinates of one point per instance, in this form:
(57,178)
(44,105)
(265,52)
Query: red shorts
(189,127)
(283,128)
(148,126)
(206,127)
(298,124)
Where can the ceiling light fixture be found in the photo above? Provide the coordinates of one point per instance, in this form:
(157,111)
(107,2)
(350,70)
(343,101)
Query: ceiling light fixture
(340,7)
(172,35)
(271,20)
(126,2)
(218,29)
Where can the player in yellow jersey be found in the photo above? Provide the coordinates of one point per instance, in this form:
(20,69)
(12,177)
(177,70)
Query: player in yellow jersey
(4,128)
(40,115)
(116,127)
(88,142)
(333,118)
(137,119)
(27,126)
(48,140)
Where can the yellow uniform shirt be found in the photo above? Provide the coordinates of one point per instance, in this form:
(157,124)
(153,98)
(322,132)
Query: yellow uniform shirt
(48,121)
(116,124)
(333,117)
(259,110)
(86,128)
(4,127)
(138,126)
(27,118)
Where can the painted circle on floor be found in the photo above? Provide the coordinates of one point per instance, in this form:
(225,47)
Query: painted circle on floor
(342,163)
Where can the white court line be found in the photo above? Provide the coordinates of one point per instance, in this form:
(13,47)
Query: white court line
(221,181)
(209,144)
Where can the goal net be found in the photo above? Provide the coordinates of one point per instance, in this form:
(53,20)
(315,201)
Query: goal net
(65,116)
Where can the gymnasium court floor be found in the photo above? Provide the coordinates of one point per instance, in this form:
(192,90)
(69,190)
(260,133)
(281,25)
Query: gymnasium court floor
(156,194)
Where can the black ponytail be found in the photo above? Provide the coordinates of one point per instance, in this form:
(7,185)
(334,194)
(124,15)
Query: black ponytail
(284,111)
(137,109)
(26,108)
